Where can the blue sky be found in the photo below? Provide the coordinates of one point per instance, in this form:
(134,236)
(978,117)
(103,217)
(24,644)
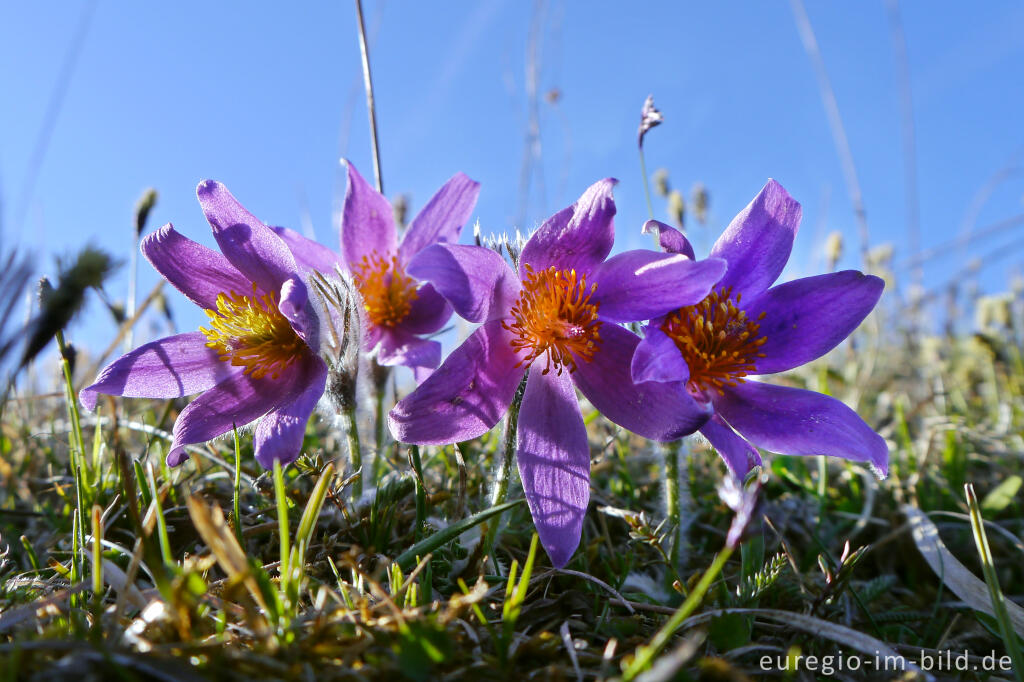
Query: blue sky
(267,99)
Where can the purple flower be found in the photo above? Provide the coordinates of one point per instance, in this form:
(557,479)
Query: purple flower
(257,359)
(746,328)
(398,308)
(557,317)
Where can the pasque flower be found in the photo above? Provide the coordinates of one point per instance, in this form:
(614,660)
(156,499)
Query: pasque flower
(399,309)
(256,360)
(556,317)
(748,327)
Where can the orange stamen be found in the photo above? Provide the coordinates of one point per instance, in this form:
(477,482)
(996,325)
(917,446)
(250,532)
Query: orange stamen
(251,332)
(554,315)
(718,341)
(387,291)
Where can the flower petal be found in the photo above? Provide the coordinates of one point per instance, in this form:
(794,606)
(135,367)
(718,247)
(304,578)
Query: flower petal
(251,246)
(428,312)
(193,269)
(441,220)
(367,221)
(236,401)
(554,462)
(758,241)
(739,455)
(398,347)
(478,284)
(309,255)
(298,310)
(279,433)
(466,396)
(657,358)
(653,410)
(579,237)
(792,421)
(670,239)
(173,367)
(808,317)
(641,284)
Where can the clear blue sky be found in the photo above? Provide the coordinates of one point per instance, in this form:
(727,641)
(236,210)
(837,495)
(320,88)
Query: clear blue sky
(267,98)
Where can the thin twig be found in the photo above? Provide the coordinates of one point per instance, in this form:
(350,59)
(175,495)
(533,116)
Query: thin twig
(370,107)
(835,120)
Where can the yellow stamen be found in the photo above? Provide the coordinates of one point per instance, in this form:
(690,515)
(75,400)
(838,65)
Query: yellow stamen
(554,314)
(251,332)
(718,341)
(387,291)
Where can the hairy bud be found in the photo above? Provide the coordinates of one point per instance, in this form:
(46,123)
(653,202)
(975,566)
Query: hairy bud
(649,118)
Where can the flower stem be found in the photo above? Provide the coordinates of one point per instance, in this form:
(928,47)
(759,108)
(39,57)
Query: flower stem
(647,187)
(371,109)
(237,489)
(354,452)
(381,374)
(504,469)
(421,491)
(282,525)
(645,654)
(672,502)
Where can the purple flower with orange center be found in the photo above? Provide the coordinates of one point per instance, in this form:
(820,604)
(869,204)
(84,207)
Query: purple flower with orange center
(256,360)
(556,316)
(748,327)
(400,309)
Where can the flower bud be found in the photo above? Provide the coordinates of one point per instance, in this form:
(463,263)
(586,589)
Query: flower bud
(342,323)
(700,199)
(660,179)
(649,118)
(142,208)
(677,207)
(834,249)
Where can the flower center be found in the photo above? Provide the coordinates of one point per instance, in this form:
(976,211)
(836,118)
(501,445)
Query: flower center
(718,341)
(554,314)
(387,291)
(251,332)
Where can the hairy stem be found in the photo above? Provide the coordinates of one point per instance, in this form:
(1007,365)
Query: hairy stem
(354,452)
(672,502)
(503,474)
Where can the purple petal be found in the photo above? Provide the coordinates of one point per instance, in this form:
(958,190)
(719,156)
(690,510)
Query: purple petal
(191,268)
(441,220)
(173,367)
(251,246)
(739,455)
(808,317)
(367,222)
(309,255)
(657,358)
(654,410)
(579,237)
(670,239)
(398,347)
(554,462)
(279,433)
(792,421)
(296,308)
(758,241)
(641,284)
(236,401)
(428,312)
(466,396)
(478,284)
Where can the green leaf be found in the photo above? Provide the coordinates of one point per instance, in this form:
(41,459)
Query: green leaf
(1000,497)
(407,560)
